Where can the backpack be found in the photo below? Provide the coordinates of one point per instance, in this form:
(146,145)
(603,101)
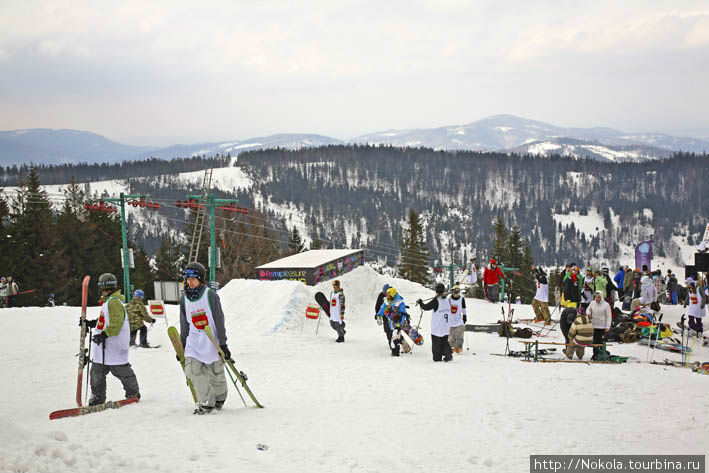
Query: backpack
(524,333)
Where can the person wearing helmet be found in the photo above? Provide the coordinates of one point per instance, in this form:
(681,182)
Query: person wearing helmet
(200,306)
(337,311)
(50,301)
(137,315)
(540,303)
(440,324)
(110,339)
(599,311)
(491,281)
(393,311)
(458,318)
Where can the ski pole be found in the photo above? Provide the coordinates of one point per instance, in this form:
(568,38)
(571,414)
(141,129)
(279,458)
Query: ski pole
(88,373)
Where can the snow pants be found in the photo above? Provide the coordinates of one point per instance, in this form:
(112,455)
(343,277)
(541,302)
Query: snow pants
(695,323)
(541,310)
(208,379)
(493,292)
(125,375)
(456,337)
(338,327)
(573,348)
(441,348)
(598,334)
(143,335)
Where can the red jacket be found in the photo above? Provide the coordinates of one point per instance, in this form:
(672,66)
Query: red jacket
(492,276)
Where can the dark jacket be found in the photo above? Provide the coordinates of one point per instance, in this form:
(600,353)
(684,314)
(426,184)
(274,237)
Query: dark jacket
(571,289)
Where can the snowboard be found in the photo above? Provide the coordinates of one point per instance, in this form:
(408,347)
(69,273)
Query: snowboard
(413,334)
(673,347)
(483,328)
(82,340)
(323,302)
(180,352)
(80,411)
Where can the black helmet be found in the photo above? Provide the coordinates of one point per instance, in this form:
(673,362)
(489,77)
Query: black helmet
(195,270)
(440,288)
(107,281)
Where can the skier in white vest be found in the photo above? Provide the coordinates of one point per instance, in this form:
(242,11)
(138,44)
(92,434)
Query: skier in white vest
(337,311)
(110,339)
(458,318)
(440,324)
(200,307)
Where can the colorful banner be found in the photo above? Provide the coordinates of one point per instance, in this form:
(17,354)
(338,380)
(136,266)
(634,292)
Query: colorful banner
(643,255)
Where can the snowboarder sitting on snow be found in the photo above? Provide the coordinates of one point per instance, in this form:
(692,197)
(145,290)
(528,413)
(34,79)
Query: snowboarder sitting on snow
(337,311)
(458,319)
(394,312)
(440,324)
(200,307)
(109,349)
(137,313)
(580,335)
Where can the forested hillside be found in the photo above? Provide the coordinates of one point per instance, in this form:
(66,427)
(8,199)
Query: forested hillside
(365,192)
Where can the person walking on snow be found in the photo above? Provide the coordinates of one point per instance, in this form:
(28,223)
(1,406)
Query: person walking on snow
(137,314)
(110,338)
(393,310)
(337,311)
(540,303)
(200,307)
(696,302)
(458,319)
(381,298)
(491,280)
(600,314)
(440,324)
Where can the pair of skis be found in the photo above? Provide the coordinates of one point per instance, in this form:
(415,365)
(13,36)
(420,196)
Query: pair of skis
(234,374)
(81,410)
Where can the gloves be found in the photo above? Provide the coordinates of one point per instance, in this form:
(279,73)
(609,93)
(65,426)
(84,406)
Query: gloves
(379,320)
(177,357)
(152,321)
(419,302)
(225,350)
(342,316)
(99,338)
(465,319)
(89,323)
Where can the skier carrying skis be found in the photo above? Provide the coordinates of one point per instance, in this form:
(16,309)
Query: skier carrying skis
(137,314)
(458,319)
(200,306)
(394,312)
(337,311)
(109,349)
(440,324)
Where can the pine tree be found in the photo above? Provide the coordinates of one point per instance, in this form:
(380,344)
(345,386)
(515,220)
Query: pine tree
(414,264)
(169,258)
(295,243)
(499,251)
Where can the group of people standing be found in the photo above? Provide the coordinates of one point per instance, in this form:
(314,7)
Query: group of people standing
(8,291)
(448,319)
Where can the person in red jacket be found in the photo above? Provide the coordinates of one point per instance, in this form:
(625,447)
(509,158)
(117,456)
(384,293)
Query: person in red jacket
(491,281)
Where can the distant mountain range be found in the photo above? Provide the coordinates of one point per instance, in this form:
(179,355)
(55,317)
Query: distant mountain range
(497,133)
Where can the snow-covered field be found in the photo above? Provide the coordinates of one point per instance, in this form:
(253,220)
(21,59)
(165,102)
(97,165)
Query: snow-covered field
(340,407)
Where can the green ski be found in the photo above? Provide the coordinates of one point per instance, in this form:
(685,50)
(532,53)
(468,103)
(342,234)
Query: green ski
(230,366)
(180,351)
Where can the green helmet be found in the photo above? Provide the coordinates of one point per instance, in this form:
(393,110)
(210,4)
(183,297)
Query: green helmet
(107,281)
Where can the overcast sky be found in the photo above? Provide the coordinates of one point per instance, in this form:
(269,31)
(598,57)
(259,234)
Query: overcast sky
(154,73)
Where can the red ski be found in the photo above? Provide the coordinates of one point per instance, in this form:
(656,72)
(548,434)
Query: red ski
(80,411)
(82,341)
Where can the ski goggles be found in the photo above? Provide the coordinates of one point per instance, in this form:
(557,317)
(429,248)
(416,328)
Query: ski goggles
(191,273)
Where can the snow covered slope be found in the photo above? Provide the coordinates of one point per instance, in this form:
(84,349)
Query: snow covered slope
(338,407)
